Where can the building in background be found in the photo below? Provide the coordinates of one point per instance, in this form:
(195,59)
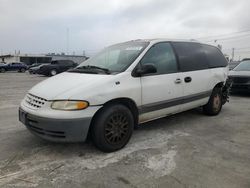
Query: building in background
(46,58)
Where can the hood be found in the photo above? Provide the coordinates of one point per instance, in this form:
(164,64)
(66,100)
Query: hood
(52,87)
(239,73)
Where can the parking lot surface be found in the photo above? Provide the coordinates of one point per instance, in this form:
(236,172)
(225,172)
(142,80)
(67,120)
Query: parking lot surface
(183,150)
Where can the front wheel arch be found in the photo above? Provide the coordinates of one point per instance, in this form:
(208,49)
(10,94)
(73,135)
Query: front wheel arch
(129,103)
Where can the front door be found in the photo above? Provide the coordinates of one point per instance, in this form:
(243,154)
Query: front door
(161,91)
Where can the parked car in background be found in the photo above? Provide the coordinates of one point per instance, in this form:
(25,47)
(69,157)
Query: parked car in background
(233,64)
(15,66)
(34,65)
(126,84)
(245,59)
(240,77)
(34,69)
(56,67)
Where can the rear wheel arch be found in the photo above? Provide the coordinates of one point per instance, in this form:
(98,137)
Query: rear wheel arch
(219,85)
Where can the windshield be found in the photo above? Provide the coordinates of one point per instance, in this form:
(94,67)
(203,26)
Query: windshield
(243,66)
(116,58)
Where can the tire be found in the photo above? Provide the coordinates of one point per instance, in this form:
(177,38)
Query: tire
(214,105)
(2,70)
(22,70)
(112,128)
(53,72)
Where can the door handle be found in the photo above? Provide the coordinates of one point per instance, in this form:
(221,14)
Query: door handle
(188,79)
(177,81)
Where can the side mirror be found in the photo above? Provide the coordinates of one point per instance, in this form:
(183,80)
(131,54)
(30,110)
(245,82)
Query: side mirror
(145,69)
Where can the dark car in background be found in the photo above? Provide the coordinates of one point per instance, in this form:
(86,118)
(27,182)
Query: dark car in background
(33,69)
(56,67)
(240,77)
(233,64)
(15,66)
(35,65)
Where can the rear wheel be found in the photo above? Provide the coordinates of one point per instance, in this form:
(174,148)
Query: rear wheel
(214,105)
(53,72)
(112,128)
(2,70)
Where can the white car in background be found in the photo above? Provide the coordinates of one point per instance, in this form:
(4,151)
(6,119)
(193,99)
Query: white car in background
(124,85)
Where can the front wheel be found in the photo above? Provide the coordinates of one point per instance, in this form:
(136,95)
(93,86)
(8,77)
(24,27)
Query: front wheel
(53,72)
(214,105)
(22,70)
(112,128)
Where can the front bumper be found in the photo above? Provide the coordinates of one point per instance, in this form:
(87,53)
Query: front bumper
(57,130)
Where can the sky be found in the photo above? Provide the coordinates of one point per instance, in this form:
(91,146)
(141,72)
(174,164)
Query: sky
(78,26)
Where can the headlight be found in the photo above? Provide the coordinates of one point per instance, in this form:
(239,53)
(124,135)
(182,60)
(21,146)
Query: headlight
(69,105)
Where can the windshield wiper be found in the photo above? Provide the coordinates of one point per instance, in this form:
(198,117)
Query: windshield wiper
(88,67)
(83,71)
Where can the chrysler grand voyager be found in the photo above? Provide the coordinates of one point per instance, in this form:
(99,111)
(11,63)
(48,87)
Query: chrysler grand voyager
(125,85)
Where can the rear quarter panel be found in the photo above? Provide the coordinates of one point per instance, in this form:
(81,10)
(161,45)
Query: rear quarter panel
(218,75)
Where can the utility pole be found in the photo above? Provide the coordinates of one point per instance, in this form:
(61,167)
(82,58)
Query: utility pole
(233,54)
(67,41)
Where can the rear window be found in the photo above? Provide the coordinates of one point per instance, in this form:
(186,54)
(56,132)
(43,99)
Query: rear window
(191,56)
(214,56)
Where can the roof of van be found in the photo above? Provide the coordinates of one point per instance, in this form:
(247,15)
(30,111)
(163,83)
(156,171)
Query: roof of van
(166,39)
(156,40)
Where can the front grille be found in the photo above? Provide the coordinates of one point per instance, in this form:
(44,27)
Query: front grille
(32,125)
(34,102)
(240,80)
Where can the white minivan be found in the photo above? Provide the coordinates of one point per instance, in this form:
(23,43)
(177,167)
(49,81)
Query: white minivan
(125,85)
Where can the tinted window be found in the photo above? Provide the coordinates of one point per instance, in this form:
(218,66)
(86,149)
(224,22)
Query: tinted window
(191,56)
(214,56)
(162,56)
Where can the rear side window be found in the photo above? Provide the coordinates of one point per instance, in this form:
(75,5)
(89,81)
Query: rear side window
(214,56)
(191,56)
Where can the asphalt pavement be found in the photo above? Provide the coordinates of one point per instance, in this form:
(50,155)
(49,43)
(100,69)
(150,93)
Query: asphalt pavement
(189,149)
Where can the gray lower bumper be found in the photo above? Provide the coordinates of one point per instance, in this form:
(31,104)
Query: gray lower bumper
(58,130)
